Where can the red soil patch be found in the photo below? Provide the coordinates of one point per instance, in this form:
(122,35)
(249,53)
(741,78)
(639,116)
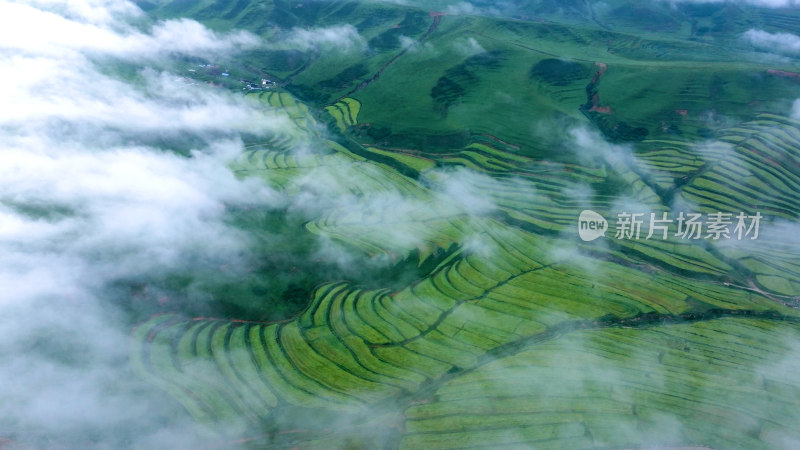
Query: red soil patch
(682,112)
(437,14)
(596,107)
(784,74)
(595,100)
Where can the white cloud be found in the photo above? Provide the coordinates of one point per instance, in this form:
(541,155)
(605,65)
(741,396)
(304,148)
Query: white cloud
(469,46)
(340,37)
(462,8)
(774,42)
(592,147)
(465,190)
(147,209)
(387,216)
(89,11)
(49,88)
(469,9)
(407,42)
(415,47)
(22,31)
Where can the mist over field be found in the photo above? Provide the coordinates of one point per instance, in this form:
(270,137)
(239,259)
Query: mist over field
(87,201)
(335,224)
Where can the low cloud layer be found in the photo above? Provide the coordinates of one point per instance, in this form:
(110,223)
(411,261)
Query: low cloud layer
(101,28)
(88,199)
(339,37)
(774,42)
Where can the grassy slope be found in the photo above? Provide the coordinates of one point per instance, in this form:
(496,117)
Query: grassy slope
(650,74)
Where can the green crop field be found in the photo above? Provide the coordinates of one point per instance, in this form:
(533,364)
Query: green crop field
(450,151)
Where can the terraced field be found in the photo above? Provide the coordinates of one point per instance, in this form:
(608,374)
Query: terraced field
(345,112)
(506,330)
(658,375)
(510,340)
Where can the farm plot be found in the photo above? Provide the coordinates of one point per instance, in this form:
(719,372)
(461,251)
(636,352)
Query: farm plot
(345,113)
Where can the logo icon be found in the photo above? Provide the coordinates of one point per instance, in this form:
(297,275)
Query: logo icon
(591,225)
